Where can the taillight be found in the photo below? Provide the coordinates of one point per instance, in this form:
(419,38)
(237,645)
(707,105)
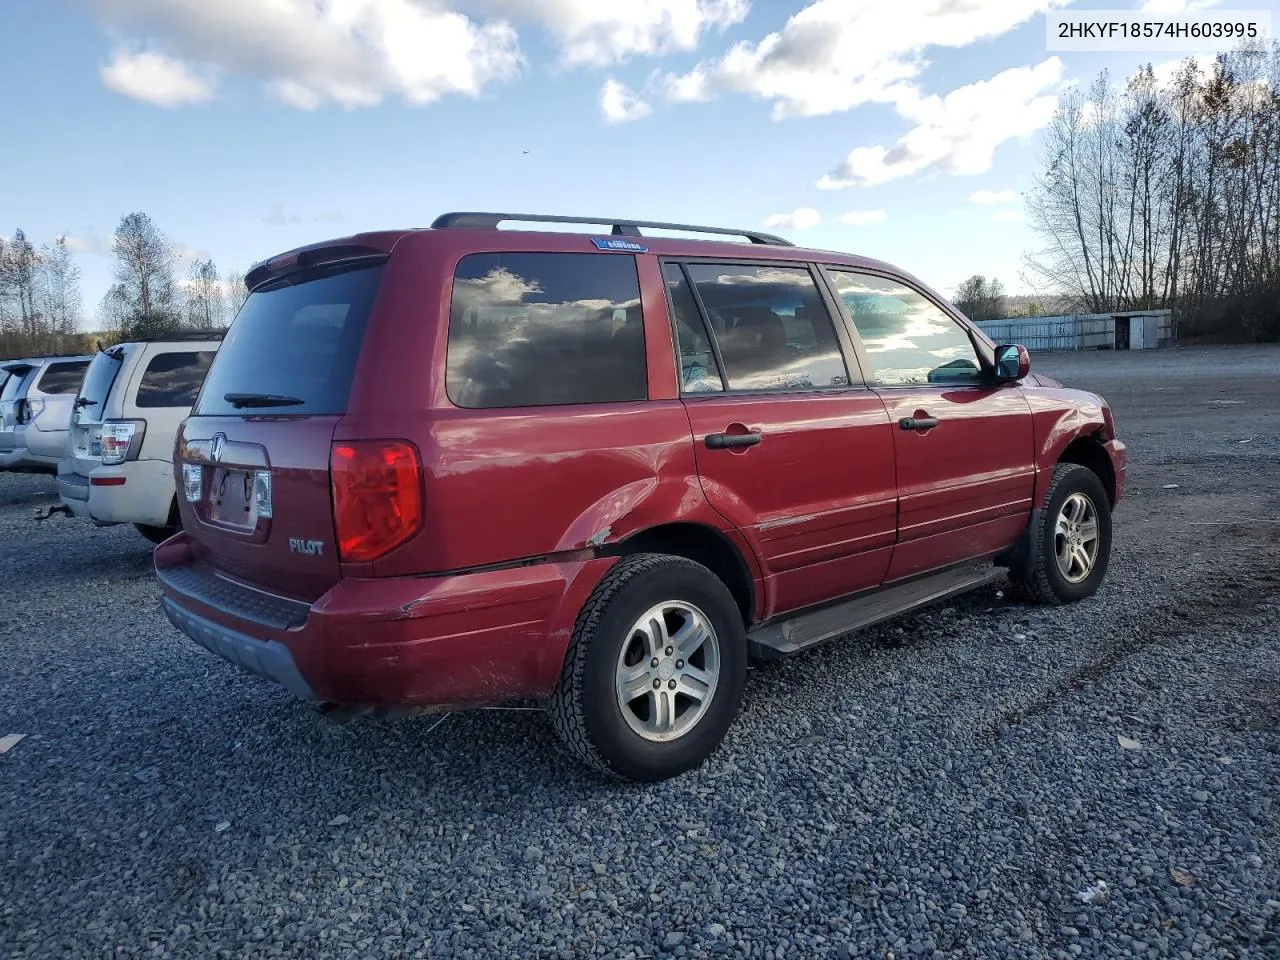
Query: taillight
(377,496)
(122,440)
(192,482)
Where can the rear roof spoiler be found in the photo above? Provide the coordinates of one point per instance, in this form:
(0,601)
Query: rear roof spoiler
(310,256)
(183,336)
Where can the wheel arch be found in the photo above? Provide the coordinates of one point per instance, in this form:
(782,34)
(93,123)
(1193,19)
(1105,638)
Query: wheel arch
(1087,451)
(702,544)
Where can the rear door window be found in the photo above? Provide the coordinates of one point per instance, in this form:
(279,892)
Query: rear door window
(293,347)
(699,371)
(173,379)
(62,378)
(534,329)
(771,325)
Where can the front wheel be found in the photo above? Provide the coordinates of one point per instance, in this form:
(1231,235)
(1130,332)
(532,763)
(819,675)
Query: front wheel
(654,671)
(1070,545)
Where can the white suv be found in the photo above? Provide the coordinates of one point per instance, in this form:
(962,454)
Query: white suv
(118,466)
(35,411)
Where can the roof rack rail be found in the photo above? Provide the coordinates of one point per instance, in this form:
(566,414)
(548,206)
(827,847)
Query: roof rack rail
(620,228)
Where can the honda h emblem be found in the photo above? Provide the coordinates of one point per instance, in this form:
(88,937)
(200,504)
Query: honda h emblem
(215,447)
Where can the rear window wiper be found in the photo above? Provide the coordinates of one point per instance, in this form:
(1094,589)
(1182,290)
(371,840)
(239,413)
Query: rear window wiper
(242,400)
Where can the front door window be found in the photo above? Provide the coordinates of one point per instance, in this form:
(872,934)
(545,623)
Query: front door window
(909,340)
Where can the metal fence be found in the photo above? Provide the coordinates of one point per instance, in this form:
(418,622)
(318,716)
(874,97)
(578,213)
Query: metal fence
(1136,330)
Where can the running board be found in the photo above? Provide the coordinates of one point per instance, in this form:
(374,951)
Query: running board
(804,630)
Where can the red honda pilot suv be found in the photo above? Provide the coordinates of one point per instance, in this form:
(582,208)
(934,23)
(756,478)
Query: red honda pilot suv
(453,467)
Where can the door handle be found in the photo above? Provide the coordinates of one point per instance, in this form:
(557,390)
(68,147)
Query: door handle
(918,423)
(724,441)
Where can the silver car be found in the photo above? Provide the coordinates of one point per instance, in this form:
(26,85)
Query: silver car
(35,411)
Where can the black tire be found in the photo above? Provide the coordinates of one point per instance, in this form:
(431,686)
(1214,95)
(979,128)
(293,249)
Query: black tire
(155,534)
(1040,579)
(585,709)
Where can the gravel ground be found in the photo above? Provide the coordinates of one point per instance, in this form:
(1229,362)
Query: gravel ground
(947,785)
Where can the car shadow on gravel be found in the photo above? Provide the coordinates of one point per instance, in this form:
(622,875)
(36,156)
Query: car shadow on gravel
(129,562)
(27,488)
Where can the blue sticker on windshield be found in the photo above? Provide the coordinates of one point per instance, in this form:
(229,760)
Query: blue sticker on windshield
(618,243)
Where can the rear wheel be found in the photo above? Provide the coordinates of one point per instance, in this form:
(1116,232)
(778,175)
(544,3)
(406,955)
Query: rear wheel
(1070,545)
(155,534)
(654,672)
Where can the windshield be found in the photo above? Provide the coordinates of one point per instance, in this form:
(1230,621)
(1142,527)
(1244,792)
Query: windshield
(97,384)
(293,348)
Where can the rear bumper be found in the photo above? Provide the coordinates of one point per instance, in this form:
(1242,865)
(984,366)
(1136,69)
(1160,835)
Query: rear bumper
(270,660)
(17,453)
(406,641)
(140,491)
(20,460)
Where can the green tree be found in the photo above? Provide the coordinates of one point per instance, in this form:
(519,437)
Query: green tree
(980,298)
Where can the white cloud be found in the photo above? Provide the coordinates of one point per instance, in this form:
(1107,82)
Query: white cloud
(862,218)
(187,255)
(605,32)
(1175,7)
(619,105)
(837,54)
(1165,73)
(155,78)
(803,218)
(990,197)
(89,241)
(312,52)
(277,216)
(958,133)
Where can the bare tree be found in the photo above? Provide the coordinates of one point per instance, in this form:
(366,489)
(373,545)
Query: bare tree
(1168,196)
(59,294)
(9,325)
(236,292)
(115,311)
(19,278)
(206,304)
(144,269)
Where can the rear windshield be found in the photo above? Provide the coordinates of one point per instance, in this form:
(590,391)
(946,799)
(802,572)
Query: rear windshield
(13,385)
(60,378)
(173,379)
(293,348)
(97,383)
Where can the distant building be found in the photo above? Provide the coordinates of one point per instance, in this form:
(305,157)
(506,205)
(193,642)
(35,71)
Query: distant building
(1122,330)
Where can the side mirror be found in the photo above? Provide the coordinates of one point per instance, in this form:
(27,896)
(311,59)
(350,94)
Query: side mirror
(1013,363)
